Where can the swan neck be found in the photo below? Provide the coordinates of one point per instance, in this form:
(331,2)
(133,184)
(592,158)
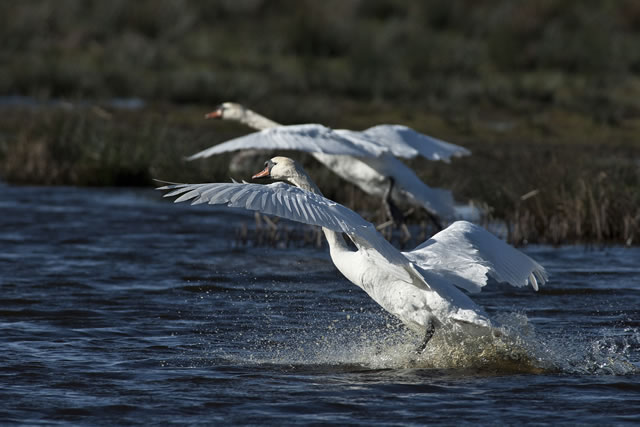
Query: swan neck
(256,121)
(337,244)
(304,181)
(335,240)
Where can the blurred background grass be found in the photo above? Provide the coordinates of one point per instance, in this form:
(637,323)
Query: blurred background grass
(546,94)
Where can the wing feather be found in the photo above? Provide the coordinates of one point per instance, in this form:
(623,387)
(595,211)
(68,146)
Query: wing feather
(277,199)
(201,200)
(179,189)
(306,207)
(287,202)
(313,138)
(264,198)
(240,197)
(407,143)
(188,196)
(312,212)
(303,207)
(467,254)
(294,202)
(251,200)
(215,196)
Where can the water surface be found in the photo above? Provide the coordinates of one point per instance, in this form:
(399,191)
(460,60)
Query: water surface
(119,307)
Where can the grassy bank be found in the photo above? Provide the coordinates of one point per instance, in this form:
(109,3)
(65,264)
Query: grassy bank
(556,177)
(546,94)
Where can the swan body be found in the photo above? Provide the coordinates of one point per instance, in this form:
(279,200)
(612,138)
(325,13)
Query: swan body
(372,176)
(419,287)
(370,169)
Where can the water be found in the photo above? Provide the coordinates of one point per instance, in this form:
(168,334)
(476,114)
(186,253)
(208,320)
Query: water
(117,307)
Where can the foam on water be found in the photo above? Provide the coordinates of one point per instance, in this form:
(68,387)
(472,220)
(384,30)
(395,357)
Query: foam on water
(519,349)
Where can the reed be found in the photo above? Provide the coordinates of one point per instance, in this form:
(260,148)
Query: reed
(544,189)
(545,94)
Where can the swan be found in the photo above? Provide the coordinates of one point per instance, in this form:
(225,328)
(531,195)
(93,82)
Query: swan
(419,287)
(377,172)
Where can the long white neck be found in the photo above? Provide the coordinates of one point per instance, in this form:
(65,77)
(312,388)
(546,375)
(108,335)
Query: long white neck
(335,240)
(302,180)
(256,121)
(259,122)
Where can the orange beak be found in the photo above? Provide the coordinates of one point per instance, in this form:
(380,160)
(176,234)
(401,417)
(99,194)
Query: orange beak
(263,174)
(213,115)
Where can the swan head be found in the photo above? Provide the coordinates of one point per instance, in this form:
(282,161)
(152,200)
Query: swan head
(286,169)
(280,168)
(227,111)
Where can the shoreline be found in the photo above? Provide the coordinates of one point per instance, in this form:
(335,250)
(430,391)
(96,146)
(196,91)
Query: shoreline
(559,185)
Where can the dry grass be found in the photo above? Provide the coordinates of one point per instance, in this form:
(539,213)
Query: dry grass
(548,184)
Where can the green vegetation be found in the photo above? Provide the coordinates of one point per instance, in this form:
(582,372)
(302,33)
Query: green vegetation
(439,55)
(546,94)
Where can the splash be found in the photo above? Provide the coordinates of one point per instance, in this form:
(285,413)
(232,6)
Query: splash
(519,348)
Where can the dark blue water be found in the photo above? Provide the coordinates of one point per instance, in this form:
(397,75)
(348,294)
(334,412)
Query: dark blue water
(117,307)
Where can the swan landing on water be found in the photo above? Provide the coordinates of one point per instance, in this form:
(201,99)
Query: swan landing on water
(417,286)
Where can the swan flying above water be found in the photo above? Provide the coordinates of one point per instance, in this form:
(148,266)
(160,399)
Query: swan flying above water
(419,287)
(375,169)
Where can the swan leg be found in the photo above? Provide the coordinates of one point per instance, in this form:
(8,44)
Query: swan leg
(394,214)
(427,336)
(397,217)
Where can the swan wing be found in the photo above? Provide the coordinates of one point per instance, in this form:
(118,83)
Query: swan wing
(406,142)
(467,254)
(292,203)
(312,138)
(437,200)
(371,145)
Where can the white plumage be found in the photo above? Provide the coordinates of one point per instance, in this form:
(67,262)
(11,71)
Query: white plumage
(415,286)
(407,143)
(366,159)
(467,255)
(311,138)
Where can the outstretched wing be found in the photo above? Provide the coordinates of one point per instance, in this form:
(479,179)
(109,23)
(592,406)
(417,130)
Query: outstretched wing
(292,203)
(436,200)
(466,254)
(312,138)
(406,142)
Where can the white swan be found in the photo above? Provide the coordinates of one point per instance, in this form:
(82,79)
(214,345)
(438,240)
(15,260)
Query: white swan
(415,286)
(374,169)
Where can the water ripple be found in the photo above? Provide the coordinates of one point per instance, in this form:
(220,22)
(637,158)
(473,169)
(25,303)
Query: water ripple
(119,308)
